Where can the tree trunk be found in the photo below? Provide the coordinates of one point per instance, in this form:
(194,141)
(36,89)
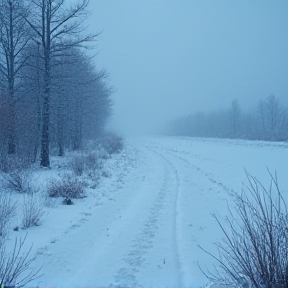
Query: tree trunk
(60,136)
(11,81)
(77,131)
(45,160)
(45,157)
(12,125)
(46,40)
(11,143)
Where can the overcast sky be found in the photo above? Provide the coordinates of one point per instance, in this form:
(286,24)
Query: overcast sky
(168,58)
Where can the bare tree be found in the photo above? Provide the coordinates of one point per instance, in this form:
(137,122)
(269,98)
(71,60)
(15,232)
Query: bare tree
(255,253)
(58,30)
(261,108)
(284,125)
(14,37)
(29,104)
(273,116)
(78,94)
(267,121)
(235,115)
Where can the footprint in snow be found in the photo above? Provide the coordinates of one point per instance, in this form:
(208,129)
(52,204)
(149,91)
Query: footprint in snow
(82,220)
(74,226)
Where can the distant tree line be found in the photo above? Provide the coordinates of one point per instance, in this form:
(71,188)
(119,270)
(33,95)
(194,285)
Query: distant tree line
(51,96)
(268,121)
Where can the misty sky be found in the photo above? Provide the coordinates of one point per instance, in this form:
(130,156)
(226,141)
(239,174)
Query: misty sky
(168,58)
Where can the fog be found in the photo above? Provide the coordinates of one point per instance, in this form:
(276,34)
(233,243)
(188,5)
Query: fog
(172,58)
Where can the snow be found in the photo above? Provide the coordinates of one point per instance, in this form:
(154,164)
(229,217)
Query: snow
(143,224)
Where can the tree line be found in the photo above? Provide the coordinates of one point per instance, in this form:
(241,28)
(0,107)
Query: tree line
(267,121)
(50,93)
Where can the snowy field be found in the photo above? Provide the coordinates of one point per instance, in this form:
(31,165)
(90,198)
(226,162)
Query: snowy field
(142,225)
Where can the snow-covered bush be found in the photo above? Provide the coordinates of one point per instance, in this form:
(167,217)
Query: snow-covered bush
(7,212)
(255,251)
(112,143)
(93,161)
(77,165)
(18,180)
(89,161)
(32,210)
(67,186)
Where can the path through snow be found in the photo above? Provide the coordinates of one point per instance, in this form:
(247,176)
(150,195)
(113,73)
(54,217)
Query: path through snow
(147,231)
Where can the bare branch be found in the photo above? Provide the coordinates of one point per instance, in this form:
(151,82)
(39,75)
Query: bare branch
(256,244)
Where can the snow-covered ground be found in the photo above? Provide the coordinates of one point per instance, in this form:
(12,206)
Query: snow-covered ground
(142,225)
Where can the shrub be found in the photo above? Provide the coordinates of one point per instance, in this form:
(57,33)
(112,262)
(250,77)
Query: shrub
(255,253)
(18,180)
(7,212)
(77,165)
(88,161)
(68,186)
(93,161)
(32,211)
(16,265)
(112,143)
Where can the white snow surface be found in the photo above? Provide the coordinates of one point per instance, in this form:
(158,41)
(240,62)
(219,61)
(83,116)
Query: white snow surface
(142,225)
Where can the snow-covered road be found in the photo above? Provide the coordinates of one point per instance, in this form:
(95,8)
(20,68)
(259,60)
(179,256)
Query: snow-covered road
(146,230)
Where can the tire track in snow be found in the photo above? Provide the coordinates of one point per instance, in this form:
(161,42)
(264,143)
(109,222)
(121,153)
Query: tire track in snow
(222,186)
(144,242)
(189,240)
(183,268)
(177,219)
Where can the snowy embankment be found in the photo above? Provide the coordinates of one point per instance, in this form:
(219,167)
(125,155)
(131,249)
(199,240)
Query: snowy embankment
(142,225)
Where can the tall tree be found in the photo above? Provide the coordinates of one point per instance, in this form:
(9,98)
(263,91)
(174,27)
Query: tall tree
(235,117)
(262,112)
(78,94)
(273,116)
(58,30)
(14,37)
